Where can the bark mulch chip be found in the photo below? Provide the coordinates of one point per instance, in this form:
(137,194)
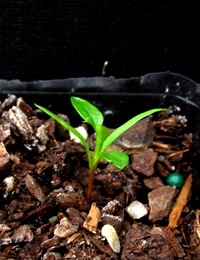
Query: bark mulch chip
(43,183)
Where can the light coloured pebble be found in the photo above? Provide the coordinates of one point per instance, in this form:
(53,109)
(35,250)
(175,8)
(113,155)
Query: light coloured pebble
(4,227)
(53,219)
(82,131)
(6,241)
(137,210)
(42,134)
(9,181)
(52,255)
(111,236)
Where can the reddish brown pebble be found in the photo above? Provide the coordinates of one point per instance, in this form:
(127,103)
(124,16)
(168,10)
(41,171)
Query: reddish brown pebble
(144,161)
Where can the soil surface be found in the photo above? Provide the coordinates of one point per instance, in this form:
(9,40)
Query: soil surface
(43,183)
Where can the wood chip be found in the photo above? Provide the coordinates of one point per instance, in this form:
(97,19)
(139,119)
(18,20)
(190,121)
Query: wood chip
(93,218)
(103,248)
(4,156)
(175,246)
(197,228)
(73,237)
(180,203)
(34,188)
(22,233)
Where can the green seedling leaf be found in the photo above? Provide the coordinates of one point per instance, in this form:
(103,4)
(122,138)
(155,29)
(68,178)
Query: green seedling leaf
(123,128)
(67,126)
(119,159)
(87,111)
(102,133)
(104,138)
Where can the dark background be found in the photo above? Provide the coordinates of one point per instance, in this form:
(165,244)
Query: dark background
(73,38)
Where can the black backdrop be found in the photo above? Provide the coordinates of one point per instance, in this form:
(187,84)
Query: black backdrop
(73,38)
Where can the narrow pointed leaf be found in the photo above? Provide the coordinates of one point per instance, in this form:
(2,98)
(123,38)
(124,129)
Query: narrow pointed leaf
(120,130)
(66,125)
(119,159)
(87,111)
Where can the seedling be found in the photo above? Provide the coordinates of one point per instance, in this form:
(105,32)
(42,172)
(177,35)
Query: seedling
(104,138)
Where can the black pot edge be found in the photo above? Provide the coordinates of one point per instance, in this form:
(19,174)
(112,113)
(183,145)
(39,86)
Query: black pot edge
(106,83)
(167,83)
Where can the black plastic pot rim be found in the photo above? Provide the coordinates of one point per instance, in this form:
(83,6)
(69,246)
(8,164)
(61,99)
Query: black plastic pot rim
(161,82)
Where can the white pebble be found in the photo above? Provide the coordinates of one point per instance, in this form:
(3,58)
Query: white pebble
(9,181)
(137,210)
(111,236)
(82,131)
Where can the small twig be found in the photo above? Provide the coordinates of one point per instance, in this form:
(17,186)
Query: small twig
(162,151)
(180,203)
(161,145)
(177,153)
